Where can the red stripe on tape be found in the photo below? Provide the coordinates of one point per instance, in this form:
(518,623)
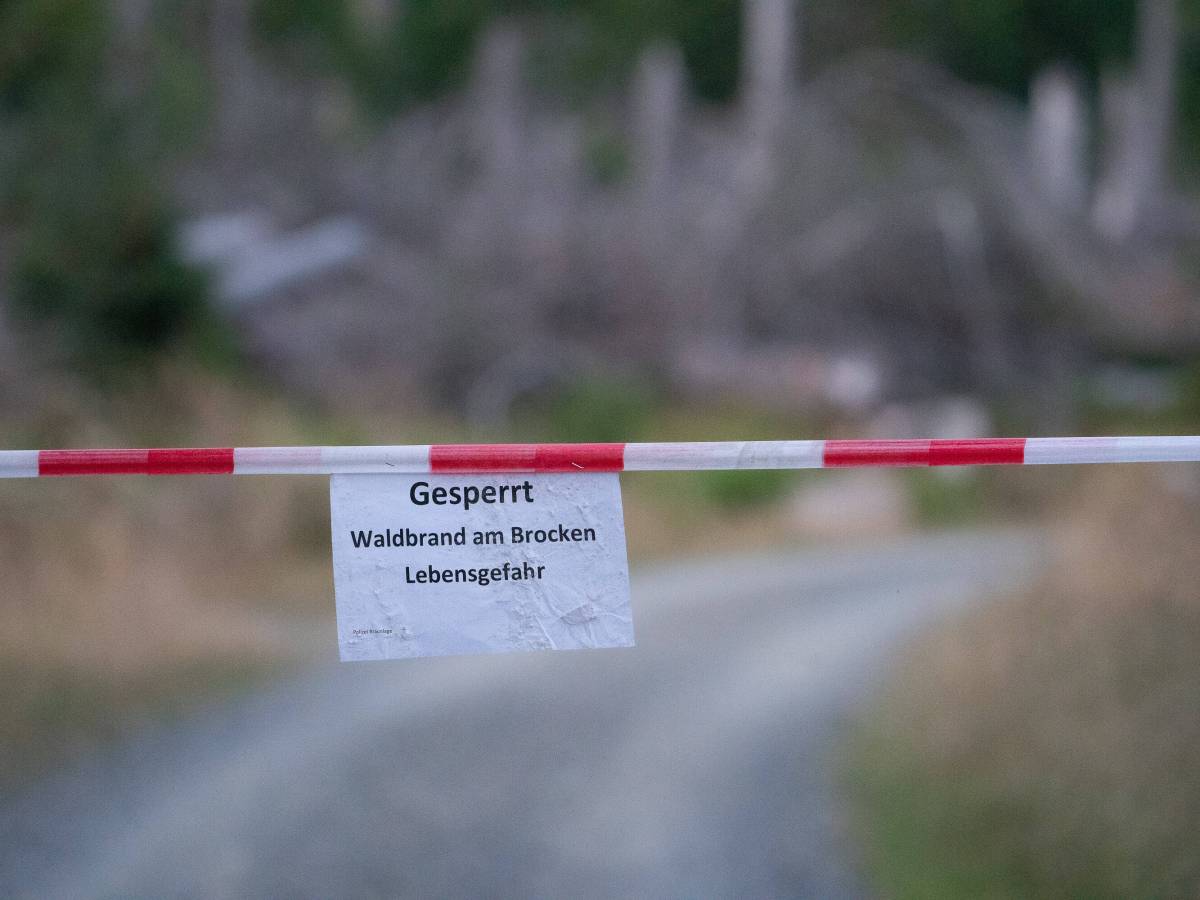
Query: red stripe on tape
(93,462)
(481,458)
(204,461)
(876,453)
(988,452)
(579,457)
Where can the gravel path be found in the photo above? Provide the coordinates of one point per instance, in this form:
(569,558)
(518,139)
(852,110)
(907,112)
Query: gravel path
(699,764)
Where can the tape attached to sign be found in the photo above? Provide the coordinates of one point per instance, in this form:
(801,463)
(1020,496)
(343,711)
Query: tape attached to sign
(437,565)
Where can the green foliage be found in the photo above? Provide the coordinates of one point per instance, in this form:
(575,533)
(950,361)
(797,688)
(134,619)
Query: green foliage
(422,52)
(947,499)
(95,267)
(604,410)
(741,489)
(1003,43)
(710,38)
(1189,90)
(47,46)
(707,31)
(432,44)
(427,48)
(330,22)
(109,285)
(938,838)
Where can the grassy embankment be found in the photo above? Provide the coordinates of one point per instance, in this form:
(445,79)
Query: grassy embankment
(1046,745)
(126,598)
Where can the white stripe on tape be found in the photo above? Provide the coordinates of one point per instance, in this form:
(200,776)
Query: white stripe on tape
(18,464)
(1052,451)
(724,455)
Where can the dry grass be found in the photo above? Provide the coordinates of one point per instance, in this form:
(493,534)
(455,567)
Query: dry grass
(662,525)
(1047,745)
(126,597)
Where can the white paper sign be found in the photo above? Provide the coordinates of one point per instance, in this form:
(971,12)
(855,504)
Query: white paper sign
(434,565)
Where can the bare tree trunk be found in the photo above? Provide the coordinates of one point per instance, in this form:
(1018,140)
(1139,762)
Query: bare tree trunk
(768,66)
(1058,139)
(658,107)
(1141,121)
(965,247)
(1157,63)
(234,72)
(498,114)
(769,30)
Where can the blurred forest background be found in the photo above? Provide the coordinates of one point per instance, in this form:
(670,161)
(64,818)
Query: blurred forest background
(462,205)
(241,222)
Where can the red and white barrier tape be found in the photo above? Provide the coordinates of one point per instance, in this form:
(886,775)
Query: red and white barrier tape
(480,458)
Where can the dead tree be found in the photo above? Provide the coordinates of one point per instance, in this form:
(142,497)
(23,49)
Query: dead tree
(1139,119)
(494,136)
(1137,301)
(658,101)
(496,131)
(235,73)
(1058,139)
(769,30)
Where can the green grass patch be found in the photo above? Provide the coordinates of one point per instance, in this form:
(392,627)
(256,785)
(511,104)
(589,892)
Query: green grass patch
(737,489)
(939,500)
(931,833)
